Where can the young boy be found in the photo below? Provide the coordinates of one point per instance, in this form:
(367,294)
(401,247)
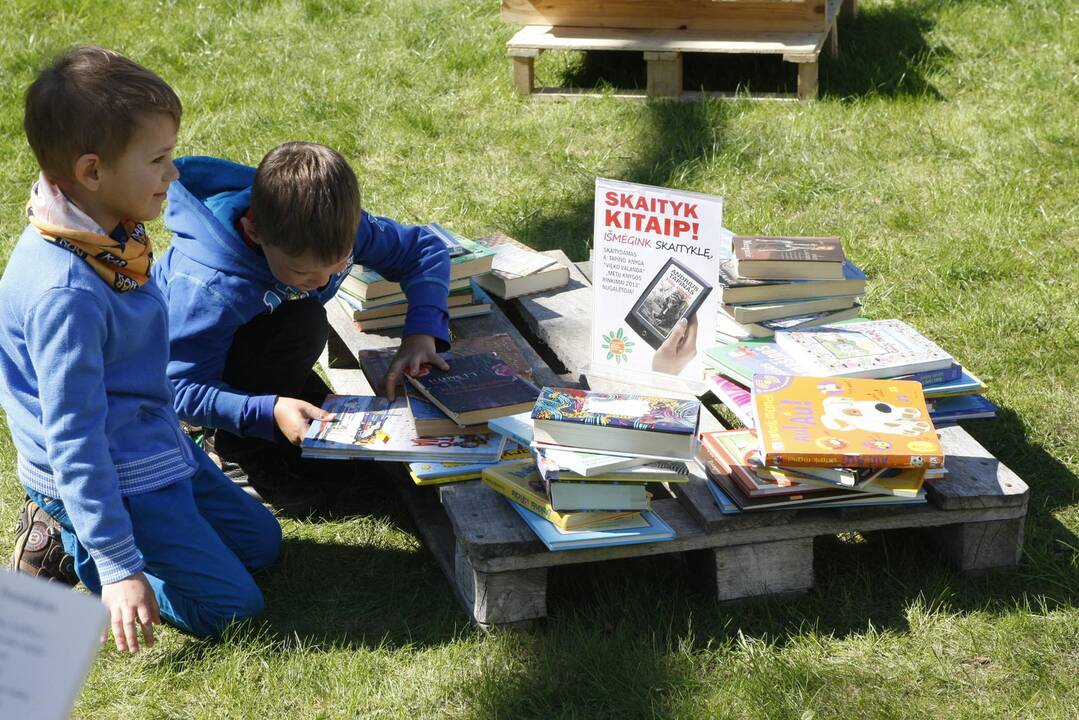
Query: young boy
(255,256)
(154,527)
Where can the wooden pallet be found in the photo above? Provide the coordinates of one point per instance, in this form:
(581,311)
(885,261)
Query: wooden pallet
(795,30)
(498,568)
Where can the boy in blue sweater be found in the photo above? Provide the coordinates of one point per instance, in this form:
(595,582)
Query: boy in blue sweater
(255,256)
(153,525)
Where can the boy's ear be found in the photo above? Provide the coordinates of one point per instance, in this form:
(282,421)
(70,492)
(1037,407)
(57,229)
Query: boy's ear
(87,171)
(248,225)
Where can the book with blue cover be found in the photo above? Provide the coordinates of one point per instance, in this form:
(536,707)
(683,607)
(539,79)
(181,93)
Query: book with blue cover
(950,410)
(517,427)
(431,470)
(642,527)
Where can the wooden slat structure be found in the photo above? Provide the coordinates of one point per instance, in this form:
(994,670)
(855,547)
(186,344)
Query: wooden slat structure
(665,29)
(498,568)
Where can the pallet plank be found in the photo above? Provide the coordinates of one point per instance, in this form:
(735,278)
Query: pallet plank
(790,44)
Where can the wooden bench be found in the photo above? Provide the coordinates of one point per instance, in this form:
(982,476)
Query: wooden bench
(665,29)
(498,568)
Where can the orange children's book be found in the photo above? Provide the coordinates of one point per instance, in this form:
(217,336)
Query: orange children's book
(843,422)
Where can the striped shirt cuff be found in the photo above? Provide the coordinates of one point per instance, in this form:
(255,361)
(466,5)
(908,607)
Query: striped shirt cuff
(118,561)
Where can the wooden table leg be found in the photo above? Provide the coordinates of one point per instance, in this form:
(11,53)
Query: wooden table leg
(511,599)
(743,572)
(807,80)
(664,74)
(980,546)
(524,70)
(850,7)
(833,40)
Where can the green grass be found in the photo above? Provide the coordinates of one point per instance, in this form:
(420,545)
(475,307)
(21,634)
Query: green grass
(943,152)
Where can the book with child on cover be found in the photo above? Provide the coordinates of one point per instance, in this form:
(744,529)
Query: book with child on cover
(843,422)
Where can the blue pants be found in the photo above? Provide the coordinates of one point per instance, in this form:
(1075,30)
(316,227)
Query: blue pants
(201,538)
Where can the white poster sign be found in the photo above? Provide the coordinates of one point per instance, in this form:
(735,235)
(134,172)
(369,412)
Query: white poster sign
(655,261)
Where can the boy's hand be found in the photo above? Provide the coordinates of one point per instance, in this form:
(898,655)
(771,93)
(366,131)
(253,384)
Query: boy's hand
(131,603)
(415,351)
(293,416)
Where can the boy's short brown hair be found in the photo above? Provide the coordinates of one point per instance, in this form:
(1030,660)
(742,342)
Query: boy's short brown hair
(90,100)
(306,200)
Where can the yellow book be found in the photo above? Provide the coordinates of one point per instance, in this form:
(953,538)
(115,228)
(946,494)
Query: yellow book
(422,482)
(520,481)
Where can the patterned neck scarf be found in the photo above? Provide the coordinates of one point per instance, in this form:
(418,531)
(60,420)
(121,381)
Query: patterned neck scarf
(122,259)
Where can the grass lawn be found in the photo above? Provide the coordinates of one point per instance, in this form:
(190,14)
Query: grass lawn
(943,152)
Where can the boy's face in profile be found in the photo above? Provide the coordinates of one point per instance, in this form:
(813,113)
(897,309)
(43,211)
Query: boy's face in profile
(133,185)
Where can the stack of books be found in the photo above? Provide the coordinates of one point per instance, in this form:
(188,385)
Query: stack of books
(768,284)
(594,454)
(858,348)
(825,442)
(519,270)
(375,303)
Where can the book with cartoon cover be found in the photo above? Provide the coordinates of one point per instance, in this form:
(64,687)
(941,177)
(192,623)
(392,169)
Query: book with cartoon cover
(843,422)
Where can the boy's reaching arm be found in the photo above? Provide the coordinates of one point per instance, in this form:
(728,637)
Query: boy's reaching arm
(202,332)
(65,333)
(418,260)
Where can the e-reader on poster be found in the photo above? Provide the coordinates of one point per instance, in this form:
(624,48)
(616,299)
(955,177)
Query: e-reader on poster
(655,259)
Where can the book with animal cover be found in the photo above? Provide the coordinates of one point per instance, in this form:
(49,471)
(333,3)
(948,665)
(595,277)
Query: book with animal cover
(637,470)
(793,308)
(577,496)
(735,397)
(872,349)
(788,258)
(843,422)
(428,472)
(519,481)
(733,289)
(638,528)
(475,389)
(950,410)
(360,311)
(372,427)
(730,330)
(368,284)
(644,425)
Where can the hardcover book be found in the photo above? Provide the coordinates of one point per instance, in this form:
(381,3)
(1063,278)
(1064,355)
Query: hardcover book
(736,398)
(950,410)
(430,473)
(671,471)
(781,258)
(736,453)
(432,422)
(520,482)
(734,289)
(517,427)
(554,462)
(763,312)
(573,496)
(876,348)
(367,284)
(361,311)
(644,425)
(730,330)
(475,389)
(639,528)
(842,422)
(372,427)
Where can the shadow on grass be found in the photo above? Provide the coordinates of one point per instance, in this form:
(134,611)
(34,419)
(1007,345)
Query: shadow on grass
(884,52)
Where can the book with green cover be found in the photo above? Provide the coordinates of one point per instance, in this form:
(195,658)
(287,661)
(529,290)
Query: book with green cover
(367,284)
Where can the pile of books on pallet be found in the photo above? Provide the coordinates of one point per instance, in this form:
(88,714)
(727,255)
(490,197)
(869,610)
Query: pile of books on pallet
(825,442)
(375,303)
(767,284)
(593,457)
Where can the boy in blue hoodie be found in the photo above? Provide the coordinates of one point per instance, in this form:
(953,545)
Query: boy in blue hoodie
(256,253)
(153,525)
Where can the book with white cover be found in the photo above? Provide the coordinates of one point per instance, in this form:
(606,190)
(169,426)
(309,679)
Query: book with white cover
(873,349)
(49,637)
(587,464)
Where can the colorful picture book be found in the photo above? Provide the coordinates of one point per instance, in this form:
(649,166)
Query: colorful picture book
(876,348)
(843,422)
(645,425)
(638,528)
(372,427)
(475,389)
(736,398)
(520,482)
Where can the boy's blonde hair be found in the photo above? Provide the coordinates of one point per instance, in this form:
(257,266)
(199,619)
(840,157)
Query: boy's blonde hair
(306,201)
(90,100)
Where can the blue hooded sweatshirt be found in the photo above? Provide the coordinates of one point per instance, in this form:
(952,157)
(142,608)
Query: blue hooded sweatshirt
(215,283)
